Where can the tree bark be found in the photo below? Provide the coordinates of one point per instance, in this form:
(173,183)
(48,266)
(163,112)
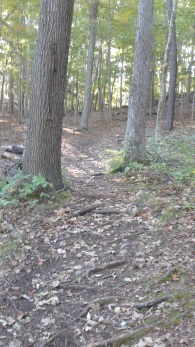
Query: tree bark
(109,62)
(173,72)
(134,146)
(11,93)
(162,96)
(44,132)
(90,59)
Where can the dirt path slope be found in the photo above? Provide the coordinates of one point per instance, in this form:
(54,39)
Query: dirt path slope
(117,275)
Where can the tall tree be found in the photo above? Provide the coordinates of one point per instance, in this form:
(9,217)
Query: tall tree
(88,82)
(134,146)
(161,103)
(172,71)
(44,132)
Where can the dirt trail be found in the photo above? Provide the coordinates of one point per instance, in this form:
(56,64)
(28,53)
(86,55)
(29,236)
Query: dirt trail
(115,276)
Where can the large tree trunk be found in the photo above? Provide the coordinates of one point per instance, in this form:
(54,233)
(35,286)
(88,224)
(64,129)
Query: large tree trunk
(173,72)
(134,147)
(44,133)
(88,83)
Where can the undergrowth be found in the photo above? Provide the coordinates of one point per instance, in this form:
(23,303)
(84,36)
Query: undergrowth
(21,188)
(171,157)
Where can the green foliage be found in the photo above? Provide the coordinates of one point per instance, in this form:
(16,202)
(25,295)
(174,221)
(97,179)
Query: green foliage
(169,159)
(174,156)
(7,249)
(116,164)
(20,188)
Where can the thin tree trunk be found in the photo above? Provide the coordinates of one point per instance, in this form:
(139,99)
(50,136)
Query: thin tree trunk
(109,62)
(90,59)
(2,92)
(193,104)
(173,72)
(121,77)
(134,146)
(188,86)
(161,104)
(11,93)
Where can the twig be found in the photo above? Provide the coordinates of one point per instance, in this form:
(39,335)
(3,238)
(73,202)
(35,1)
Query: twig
(107,266)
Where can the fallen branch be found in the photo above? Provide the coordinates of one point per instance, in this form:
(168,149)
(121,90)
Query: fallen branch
(10,156)
(15,149)
(83,211)
(107,211)
(107,266)
(153,302)
(95,210)
(98,174)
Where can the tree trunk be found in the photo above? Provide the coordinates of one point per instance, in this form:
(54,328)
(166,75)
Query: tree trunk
(28,75)
(173,72)
(44,133)
(134,146)
(2,92)
(11,93)
(90,59)
(109,62)
(162,96)
(121,77)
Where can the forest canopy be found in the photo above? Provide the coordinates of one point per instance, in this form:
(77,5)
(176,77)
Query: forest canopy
(116,24)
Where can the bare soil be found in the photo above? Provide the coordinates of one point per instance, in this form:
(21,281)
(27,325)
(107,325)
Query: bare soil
(117,275)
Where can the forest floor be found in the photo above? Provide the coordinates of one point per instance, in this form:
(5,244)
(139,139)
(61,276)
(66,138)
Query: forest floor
(121,274)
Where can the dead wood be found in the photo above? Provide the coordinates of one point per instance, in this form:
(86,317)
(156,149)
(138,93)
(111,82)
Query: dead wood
(10,156)
(98,174)
(107,266)
(83,211)
(107,211)
(15,149)
(95,209)
(151,303)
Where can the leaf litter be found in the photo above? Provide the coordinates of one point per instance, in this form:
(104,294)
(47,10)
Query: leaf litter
(112,264)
